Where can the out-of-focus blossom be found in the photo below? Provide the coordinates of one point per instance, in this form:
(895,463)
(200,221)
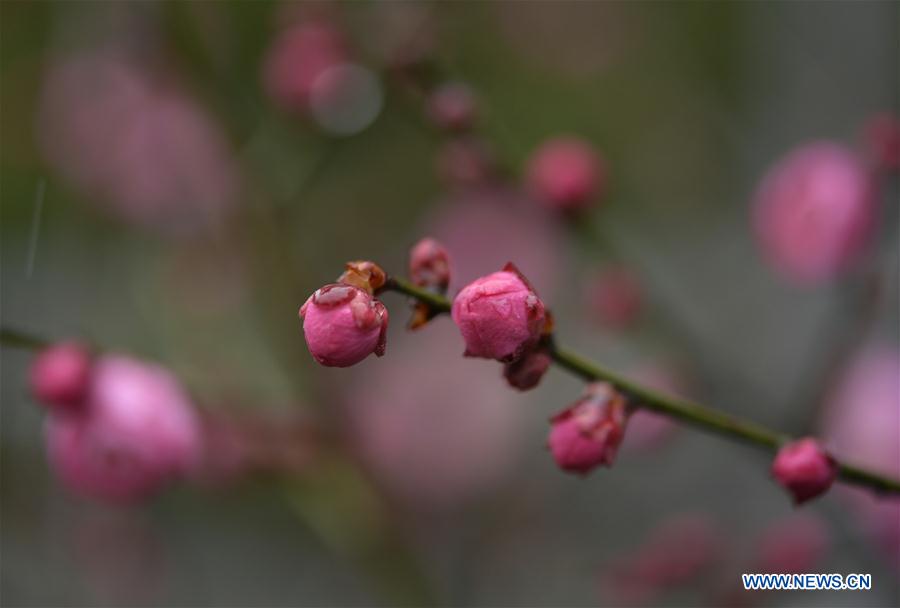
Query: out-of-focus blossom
(882,141)
(465,162)
(343,325)
(140,147)
(345,99)
(814,212)
(299,55)
(499,316)
(614,297)
(804,468)
(452,106)
(429,264)
(793,545)
(237,445)
(862,423)
(138,432)
(587,434)
(679,550)
(566,174)
(527,372)
(439,430)
(60,376)
(486,227)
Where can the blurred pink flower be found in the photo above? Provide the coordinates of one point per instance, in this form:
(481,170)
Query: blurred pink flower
(138,433)
(60,375)
(615,297)
(439,430)
(485,228)
(297,57)
(681,549)
(145,151)
(862,424)
(566,174)
(793,545)
(804,468)
(452,106)
(814,212)
(465,162)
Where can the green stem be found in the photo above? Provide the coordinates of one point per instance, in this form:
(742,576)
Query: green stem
(17,339)
(691,413)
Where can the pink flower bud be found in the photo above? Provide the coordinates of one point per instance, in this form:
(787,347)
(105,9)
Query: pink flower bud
(566,174)
(804,468)
(60,375)
(138,432)
(452,107)
(527,372)
(882,140)
(499,315)
(614,297)
(343,325)
(814,212)
(297,58)
(588,433)
(429,264)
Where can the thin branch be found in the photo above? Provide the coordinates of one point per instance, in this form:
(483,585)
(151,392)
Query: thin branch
(689,412)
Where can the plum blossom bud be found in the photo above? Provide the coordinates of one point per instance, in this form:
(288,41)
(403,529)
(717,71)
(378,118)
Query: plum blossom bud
(138,432)
(300,54)
(429,264)
(814,212)
(452,107)
(882,140)
(614,297)
(527,372)
(566,174)
(343,325)
(499,315)
(588,433)
(804,468)
(60,375)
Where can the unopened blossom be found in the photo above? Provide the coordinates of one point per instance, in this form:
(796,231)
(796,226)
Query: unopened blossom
(588,433)
(343,325)
(298,57)
(135,143)
(137,433)
(499,316)
(526,373)
(615,297)
(814,212)
(804,469)
(452,106)
(60,376)
(566,174)
(429,264)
